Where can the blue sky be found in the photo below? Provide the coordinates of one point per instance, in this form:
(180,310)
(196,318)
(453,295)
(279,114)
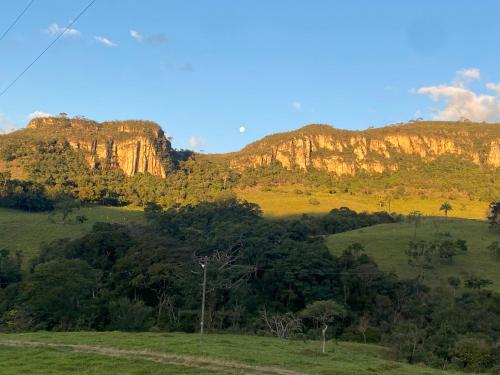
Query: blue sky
(203,69)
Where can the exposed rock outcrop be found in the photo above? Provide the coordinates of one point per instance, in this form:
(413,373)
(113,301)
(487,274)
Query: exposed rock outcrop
(374,150)
(133,146)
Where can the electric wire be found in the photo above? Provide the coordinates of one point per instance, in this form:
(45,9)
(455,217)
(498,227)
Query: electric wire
(16,20)
(84,10)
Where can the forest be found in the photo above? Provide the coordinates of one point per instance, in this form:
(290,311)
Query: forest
(263,277)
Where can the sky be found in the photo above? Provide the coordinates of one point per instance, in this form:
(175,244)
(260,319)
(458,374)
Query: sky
(219,74)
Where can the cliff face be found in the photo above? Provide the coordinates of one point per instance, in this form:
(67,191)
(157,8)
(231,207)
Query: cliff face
(133,146)
(374,150)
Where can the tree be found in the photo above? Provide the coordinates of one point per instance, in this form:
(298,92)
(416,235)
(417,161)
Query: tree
(10,268)
(454,282)
(323,313)
(446,206)
(420,256)
(415,217)
(160,279)
(494,215)
(474,354)
(282,325)
(363,325)
(494,249)
(446,250)
(58,294)
(475,282)
(66,206)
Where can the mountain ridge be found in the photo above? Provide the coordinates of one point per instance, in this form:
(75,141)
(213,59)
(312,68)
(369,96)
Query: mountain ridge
(137,146)
(376,150)
(134,146)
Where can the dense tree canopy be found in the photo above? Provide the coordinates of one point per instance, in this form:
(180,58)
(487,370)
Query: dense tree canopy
(148,277)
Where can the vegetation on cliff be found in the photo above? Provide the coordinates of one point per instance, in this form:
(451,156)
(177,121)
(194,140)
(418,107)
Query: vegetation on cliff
(126,162)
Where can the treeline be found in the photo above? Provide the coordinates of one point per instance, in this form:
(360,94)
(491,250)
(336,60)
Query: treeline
(23,195)
(263,277)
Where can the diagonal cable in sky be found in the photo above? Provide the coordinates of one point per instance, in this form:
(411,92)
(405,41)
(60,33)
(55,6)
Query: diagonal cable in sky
(16,20)
(82,12)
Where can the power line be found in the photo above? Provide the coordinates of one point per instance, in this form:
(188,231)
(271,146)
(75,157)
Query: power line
(48,47)
(16,20)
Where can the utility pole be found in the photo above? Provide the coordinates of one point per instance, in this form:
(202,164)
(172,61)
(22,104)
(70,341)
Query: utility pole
(204,265)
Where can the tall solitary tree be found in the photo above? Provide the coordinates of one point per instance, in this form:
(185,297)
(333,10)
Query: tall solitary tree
(323,313)
(446,206)
(415,217)
(494,215)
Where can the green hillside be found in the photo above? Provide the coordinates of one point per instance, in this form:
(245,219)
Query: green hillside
(386,243)
(21,230)
(176,353)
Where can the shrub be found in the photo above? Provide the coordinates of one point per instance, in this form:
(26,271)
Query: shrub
(473,354)
(313,201)
(126,315)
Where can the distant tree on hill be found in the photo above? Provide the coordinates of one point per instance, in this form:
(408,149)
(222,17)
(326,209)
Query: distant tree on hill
(446,250)
(494,249)
(475,282)
(446,206)
(415,217)
(420,256)
(454,282)
(494,215)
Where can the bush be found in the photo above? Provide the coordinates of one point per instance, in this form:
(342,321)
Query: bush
(473,354)
(313,201)
(126,315)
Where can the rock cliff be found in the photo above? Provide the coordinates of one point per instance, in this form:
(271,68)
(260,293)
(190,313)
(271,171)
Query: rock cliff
(374,150)
(133,146)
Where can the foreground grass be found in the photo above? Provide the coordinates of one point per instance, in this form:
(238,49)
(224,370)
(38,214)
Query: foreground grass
(387,243)
(284,202)
(21,230)
(253,354)
(44,361)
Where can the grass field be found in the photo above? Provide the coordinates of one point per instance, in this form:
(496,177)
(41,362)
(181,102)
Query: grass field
(177,353)
(386,243)
(284,202)
(21,230)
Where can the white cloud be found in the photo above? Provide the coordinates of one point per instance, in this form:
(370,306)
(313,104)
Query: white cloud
(158,38)
(54,29)
(38,114)
(461,102)
(242,129)
(105,41)
(296,104)
(196,142)
(136,35)
(495,87)
(6,126)
(471,73)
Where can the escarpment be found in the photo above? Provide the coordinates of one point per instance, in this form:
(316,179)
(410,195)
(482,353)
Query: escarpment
(142,147)
(374,150)
(132,146)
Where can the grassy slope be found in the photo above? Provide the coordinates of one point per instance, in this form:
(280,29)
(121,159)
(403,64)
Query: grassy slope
(44,361)
(344,358)
(20,230)
(387,243)
(286,203)
(24,231)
